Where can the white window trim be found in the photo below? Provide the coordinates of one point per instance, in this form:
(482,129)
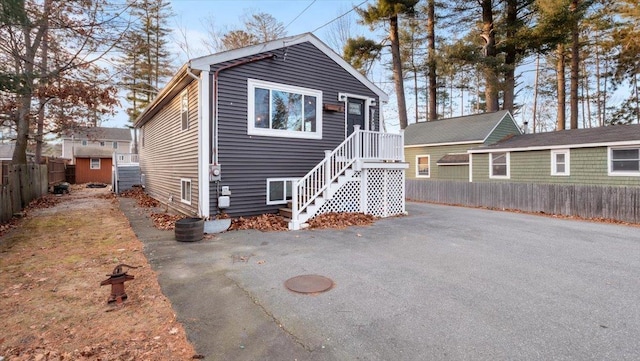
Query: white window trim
(184,94)
(508,157)
(610,163)
(417,164)
(184,181)
(270,180)
(567,162)
(252,130)
(91,163)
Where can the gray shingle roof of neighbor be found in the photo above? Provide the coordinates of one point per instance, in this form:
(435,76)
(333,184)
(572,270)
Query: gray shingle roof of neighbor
(93,152)
(466,129)
(570,137)
(98,133)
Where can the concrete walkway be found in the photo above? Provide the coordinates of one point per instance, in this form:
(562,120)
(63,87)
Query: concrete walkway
(444,283)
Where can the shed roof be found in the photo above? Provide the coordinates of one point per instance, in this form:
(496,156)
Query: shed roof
(467,129)
(571,138)
(93,152)
(98,133)
(454,159)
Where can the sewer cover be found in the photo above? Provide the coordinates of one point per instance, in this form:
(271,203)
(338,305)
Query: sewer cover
(308,284)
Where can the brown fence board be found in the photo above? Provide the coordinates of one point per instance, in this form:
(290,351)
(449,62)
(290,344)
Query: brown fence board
(24,183)
(588,201)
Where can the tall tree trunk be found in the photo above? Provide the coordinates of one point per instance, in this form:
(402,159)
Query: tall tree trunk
(43,80)
(635,86)
(431,60)
(598,78)
(397,71)
(491,77)
(575,65)
(561,88)
(510,57)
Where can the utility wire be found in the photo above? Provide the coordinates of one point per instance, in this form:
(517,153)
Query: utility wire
(352,9)
(302,12)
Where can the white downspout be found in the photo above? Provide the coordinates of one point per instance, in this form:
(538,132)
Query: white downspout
(203,141)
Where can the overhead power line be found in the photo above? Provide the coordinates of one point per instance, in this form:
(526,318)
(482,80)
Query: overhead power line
(302,12)
(329,22)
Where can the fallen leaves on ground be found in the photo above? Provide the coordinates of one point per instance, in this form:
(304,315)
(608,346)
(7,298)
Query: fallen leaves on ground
(45,201)
(340,220)
(51,304)
(141,197)
(265,222)
(165,221)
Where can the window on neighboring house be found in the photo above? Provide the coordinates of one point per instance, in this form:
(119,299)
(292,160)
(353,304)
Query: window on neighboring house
(95,163)
(184,110)
(102,144)
(279,190)
(560,162)
(422,166)
(185,191)
(84,143)
(624,161)
(284,111)
(120,157)
(499,165)
(115,145)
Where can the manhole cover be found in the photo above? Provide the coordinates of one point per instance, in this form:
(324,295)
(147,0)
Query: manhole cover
(308,284)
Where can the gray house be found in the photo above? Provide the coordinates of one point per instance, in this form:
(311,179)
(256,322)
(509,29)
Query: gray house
(437,150)
(285,125)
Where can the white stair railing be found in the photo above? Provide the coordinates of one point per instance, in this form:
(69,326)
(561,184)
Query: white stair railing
(360,145)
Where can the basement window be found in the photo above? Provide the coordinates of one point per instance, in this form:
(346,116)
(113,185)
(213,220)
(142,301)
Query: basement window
(185,191)
(279,190)
(280,110)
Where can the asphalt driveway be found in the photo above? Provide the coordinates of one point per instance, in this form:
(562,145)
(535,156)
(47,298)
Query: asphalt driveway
(443,283)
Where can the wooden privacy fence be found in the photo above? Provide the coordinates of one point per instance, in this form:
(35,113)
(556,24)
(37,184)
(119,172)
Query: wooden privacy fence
(25,183)
(587,201)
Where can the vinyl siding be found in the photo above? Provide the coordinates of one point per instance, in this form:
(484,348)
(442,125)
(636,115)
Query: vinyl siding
(170,154)
(247,161)
(505,128)
(448,172)
(124,146)
(587,166)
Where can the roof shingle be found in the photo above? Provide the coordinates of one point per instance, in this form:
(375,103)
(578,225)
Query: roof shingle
(467,129)
(98,133)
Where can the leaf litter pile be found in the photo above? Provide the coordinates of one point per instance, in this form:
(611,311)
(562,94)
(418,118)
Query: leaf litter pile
(264,222)
(51,304)
(165,221)
(141,197)
(340,220)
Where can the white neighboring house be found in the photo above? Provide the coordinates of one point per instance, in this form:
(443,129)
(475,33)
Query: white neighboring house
(116,140)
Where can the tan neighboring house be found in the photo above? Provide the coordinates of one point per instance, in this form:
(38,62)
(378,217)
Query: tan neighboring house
(103,140)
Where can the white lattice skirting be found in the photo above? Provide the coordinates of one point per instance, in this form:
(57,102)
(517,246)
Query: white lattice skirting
(383,194)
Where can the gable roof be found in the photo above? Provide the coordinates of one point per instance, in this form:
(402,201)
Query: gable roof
(192,68)
(98,133)
(459,130)
(204,63)
(571,138)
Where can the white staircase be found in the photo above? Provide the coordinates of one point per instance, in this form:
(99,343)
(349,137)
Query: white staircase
(340,167)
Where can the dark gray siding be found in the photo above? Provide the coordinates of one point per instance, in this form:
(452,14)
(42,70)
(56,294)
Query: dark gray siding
(247,161)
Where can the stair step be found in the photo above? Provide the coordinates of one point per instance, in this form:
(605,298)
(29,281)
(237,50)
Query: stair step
(285,212)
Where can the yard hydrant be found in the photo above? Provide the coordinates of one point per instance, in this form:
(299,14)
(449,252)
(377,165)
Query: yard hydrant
(117,280)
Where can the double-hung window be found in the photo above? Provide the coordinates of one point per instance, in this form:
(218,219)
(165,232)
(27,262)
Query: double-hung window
(94,163)
(280,110)
(499,165)
(624,161)
(422,166)
(560,162)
